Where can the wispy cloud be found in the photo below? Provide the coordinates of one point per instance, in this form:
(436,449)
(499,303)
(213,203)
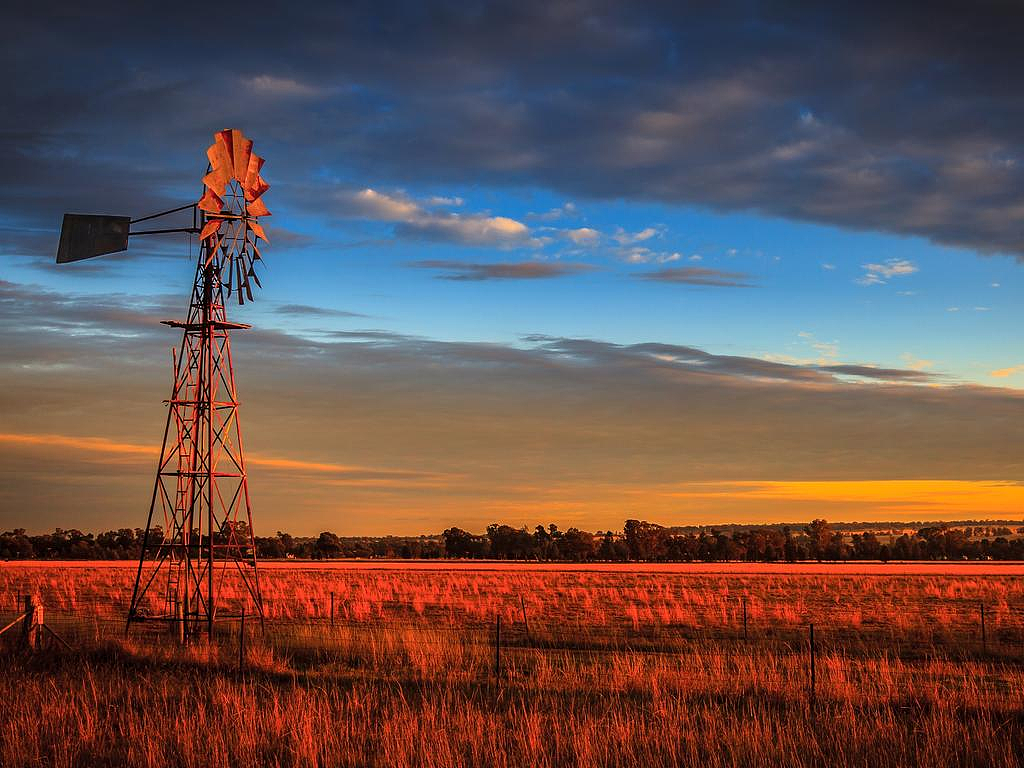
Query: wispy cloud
(523,270)
(1003,373)
(879,274)
(414,219)
(305,310)
(583,236)
(567,210)
(697,276)
(281,87)
(133,451)
(622,237)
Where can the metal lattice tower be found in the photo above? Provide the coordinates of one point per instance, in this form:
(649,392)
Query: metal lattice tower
(199,532)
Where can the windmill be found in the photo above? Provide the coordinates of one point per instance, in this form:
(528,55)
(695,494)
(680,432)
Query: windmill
(199,529)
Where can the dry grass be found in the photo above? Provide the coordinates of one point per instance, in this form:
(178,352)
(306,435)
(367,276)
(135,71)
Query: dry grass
(620,667)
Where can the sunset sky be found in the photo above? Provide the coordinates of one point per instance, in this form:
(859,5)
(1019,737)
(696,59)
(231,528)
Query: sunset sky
(531,264)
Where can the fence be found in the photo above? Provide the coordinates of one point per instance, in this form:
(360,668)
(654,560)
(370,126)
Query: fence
(794,630)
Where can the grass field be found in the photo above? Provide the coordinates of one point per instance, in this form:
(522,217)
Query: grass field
(612,665)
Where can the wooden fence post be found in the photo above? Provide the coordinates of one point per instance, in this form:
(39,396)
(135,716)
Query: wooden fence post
(28,623)
(37,626)
(984,636)
(526,623)
(332,609)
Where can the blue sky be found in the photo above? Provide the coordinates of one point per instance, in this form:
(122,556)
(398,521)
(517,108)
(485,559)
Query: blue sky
(808,294)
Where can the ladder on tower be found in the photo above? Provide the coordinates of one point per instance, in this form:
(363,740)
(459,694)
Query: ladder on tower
(172,596)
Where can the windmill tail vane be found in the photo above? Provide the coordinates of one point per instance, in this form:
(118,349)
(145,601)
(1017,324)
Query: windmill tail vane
(199,536)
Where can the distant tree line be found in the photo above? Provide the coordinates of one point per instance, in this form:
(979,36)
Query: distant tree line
(638,540)
(126,544)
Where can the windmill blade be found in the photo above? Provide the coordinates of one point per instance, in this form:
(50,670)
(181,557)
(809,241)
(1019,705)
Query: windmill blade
(254,276)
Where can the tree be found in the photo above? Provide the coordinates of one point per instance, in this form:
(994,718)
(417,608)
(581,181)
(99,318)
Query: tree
(820,534)
(328,545)
(646,541)
(577,545)
(460,543)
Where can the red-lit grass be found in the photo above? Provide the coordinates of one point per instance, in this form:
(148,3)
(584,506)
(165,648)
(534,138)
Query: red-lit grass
(623,668)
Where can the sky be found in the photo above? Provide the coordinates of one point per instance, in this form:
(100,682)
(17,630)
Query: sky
(531,262)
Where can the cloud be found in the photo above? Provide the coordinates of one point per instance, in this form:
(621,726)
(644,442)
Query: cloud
(450,202)
(276,86)
(916,363)
(305,310)
(879,274)
(524,270)
(1003,373)
(583,236)
(623,237)
(697,276)
(694,360)
(827,350)
(100,445)
(567,210)
(414,221)
(715,107)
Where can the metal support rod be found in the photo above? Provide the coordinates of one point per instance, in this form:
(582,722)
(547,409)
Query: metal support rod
(163,213)
(744,619)
(189,230)
(332,609)
(208,278)
(179,618)
(984,636)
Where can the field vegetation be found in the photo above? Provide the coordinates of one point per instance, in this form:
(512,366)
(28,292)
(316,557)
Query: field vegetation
(596,666)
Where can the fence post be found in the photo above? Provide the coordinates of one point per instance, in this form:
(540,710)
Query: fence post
(526,623)
(28,623)
(744,619)
(984,637)
(812,653)
(241,642)
(332,609)
(497,647)
(37,627)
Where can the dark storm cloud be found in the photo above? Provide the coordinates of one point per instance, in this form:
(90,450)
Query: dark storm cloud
(900,117)
(524,270)
(696,276)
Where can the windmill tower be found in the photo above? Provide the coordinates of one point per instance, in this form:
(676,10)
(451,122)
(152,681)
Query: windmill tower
(199,533)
